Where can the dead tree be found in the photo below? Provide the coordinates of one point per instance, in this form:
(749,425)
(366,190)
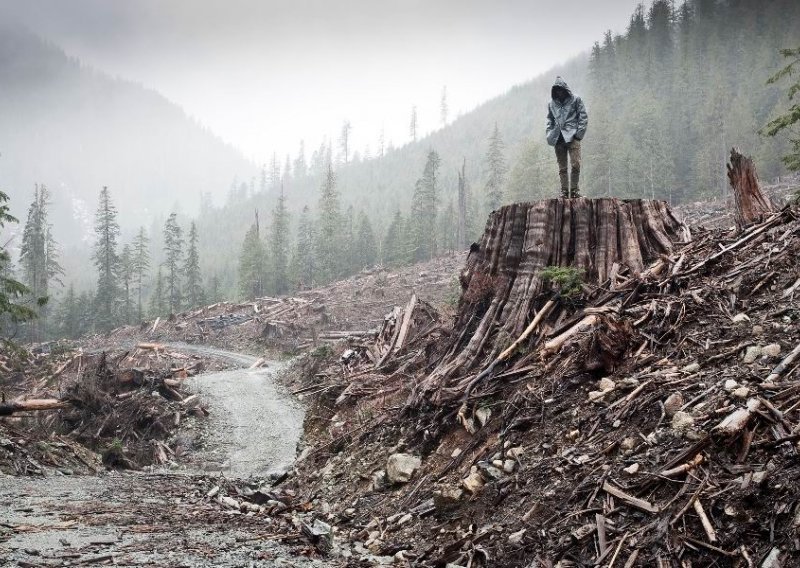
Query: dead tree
(752,205)
(502,284)
(9,408)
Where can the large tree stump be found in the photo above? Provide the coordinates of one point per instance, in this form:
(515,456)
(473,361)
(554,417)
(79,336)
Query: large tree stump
(502,283)
(752,205)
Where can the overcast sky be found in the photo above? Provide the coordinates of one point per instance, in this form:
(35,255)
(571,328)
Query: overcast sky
(263,74)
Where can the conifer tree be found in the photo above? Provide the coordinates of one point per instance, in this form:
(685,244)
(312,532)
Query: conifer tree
(173,255)
(279,246)
(106,260)
(443,109)
(141,267)
(497,169)
(792,116)
(367,247)
(69,315)
(344,141)
(423,210)
(252,264)
(393,241)
(158,303)
(329,243)
(412,127)
(39,261)
(303,260)
(300,168)
(127,272)
(462,223)
(12,309)
(194,280)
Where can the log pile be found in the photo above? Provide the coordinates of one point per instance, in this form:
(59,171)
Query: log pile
(653,418)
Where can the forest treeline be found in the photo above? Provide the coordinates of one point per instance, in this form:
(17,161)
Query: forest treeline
(666,101)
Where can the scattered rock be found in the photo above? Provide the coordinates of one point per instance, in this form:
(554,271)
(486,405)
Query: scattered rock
(473,482)
(730,385)
(758,330)
(752,353)
(606,384)
(379,480)
(771,350)
(516,537)
(632,469)
(741,392)
(682,421)
(509,466)
(673,403)
(400,468)
(740,318)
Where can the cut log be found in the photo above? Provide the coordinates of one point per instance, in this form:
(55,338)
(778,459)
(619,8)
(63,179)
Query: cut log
(9,408)
(752,206)
(503,286)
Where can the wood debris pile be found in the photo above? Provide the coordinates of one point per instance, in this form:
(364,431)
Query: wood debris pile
(126,408)
(651,419)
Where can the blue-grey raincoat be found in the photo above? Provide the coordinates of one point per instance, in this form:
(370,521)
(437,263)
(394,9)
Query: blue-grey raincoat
(567,118)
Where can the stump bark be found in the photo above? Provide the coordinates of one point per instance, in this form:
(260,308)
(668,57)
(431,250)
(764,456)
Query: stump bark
(752,205)
(502,283)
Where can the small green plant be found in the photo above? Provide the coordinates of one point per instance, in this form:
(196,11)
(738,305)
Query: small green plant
(453,293)
(568,280)
(322,352)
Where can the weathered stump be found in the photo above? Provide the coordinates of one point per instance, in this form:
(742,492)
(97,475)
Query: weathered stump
(752,205)
(502,283)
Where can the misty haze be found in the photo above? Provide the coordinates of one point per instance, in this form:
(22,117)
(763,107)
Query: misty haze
(407,283)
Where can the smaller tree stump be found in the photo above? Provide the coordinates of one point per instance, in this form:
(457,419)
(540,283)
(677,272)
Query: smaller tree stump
(752,205)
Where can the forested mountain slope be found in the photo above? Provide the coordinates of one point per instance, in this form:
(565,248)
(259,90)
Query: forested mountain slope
(76,129)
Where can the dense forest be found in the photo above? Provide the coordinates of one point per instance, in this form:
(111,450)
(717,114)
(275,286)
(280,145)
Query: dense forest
(666,101)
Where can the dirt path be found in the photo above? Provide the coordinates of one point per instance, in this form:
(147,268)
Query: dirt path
(254,425)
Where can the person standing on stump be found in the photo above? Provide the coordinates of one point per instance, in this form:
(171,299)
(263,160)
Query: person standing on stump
(566,126)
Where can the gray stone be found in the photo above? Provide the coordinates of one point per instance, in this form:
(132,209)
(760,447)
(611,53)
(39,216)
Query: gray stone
(400,468)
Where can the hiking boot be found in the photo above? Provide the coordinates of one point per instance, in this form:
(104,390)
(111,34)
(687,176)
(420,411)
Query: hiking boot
(574,193)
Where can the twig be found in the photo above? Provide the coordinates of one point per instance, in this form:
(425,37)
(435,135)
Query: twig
(630,499)
(707,526)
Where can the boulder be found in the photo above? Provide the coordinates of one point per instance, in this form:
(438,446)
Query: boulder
(400,468)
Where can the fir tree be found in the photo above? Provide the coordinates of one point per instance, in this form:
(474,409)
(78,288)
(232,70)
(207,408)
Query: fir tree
(344,141)
(303,261)
(252,263)
(12,309)
(393,248)
(158,303)
(443,109)
(792,115)
(141,267)
(279,246)
(39,260)
(367,247)
(127,273)
(173,255)
(423,210)
(328,246)
(106,260)
(69,315)
(497,169)
(194,280)
(412,127)
(300,168)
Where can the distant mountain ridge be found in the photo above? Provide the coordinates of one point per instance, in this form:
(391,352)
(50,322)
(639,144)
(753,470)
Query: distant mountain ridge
(77,129)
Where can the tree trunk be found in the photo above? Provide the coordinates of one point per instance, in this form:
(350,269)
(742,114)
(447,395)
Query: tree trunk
(751,203)
(502,283)
(8,408)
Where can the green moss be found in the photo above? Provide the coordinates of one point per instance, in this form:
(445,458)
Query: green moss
(568,280)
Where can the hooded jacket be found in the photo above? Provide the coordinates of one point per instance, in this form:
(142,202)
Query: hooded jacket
(567,118)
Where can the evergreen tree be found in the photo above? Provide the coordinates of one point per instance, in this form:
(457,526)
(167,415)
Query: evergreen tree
(303,261)
(252,263)
(412,127)
(12,309)
(141,267)
(393,248)
(497,169)
(106,260)
(69,315)
(462,223)
(344,141)
(279,246)
(158,303)
(329,242)
(532,176)
(423,210)
(127,272)
(300,169)
(39,261)
(367,246)
(792,116)
(194,280)
(173,255)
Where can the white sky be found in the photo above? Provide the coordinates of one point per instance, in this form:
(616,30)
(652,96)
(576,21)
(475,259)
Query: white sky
(263,74)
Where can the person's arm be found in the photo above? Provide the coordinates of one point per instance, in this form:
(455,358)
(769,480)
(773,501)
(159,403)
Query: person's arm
(550,121)
(583,119)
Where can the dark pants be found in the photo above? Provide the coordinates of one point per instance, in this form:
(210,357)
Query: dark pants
(573,151)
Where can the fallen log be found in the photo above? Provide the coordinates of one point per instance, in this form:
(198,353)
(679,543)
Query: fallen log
(9,408)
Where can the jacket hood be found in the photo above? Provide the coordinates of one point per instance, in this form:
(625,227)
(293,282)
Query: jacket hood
(559,82)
